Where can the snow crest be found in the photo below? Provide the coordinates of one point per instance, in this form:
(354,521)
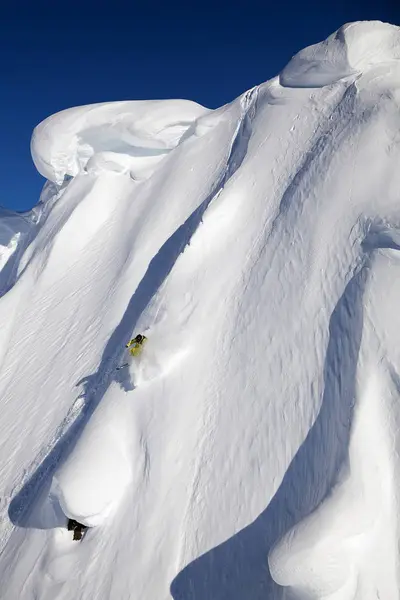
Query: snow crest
(355,48)
(122,133)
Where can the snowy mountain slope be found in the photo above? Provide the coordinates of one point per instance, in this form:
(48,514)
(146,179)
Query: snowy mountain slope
(252,452)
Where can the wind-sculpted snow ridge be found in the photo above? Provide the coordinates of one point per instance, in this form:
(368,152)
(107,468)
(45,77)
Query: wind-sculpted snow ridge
(353,49)
(123,136)
(252,451)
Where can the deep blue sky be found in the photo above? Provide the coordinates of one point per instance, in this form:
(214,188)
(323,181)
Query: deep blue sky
(62,54)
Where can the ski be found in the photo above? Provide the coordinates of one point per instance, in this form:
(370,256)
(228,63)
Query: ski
(122,366)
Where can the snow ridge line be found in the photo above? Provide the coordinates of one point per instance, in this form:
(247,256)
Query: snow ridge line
(333,123)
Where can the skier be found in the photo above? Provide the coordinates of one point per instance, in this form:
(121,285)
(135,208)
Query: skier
(135,345)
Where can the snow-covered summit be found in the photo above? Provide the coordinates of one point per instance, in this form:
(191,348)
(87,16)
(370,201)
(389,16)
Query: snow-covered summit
(354,49)
(252,451)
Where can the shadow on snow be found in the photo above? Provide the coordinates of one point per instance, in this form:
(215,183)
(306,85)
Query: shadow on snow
(238,568)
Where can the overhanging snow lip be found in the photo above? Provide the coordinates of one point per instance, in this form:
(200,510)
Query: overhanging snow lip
(63,143)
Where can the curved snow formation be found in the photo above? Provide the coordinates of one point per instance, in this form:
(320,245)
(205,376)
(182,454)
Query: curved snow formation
(117,135)
(353,49)
(252,452)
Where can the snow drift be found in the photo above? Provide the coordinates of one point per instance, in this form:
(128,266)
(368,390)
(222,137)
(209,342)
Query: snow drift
(253,453)
(76,138)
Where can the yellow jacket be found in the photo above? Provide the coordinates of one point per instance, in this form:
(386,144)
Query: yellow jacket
(135,348)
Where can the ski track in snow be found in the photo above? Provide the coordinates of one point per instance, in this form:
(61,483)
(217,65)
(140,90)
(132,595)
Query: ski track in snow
(252,451)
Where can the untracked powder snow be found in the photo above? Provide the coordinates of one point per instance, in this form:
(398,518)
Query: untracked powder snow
(251,450)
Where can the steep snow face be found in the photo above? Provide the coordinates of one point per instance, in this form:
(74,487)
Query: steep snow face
(251,451)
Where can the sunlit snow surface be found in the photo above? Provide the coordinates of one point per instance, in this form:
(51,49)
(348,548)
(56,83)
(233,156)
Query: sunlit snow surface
(252,452)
